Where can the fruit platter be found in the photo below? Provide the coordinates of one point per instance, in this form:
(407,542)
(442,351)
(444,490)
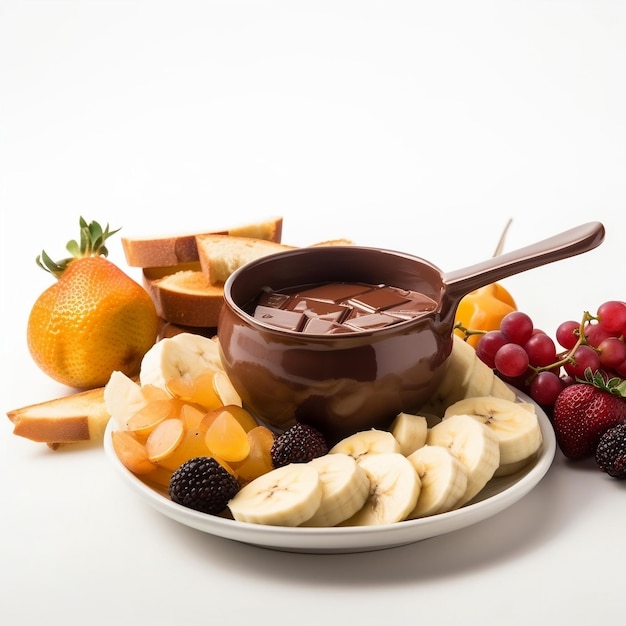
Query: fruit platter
(176,424)
(497,495)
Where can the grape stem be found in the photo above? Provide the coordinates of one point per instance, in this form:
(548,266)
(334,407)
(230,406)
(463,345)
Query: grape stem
(567,356)
(468,332)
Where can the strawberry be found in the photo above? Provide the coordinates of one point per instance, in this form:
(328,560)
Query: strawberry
(582,413)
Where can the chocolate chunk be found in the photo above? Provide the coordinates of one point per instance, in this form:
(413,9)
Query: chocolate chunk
(280,318)
(379,299)
(371,321)
(317,308)
(334,292)
(319,326)
(273,299)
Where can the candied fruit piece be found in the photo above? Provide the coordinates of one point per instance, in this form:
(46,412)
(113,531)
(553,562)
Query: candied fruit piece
(180,387)
(164,439)
(225,390)
(188,443)
(144,421)
(245,418)
(152,392)
(227,439)
(199,390)
(259,460)
(191,416)
(131,452)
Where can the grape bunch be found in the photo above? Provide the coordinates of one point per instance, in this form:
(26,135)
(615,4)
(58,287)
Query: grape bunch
(530,360)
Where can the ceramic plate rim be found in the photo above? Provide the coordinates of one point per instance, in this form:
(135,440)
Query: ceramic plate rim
(352,539)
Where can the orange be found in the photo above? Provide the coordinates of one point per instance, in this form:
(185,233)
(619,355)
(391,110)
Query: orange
(95,319)
(483,310)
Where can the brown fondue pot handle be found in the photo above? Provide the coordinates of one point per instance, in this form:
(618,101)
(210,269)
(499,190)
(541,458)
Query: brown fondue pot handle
(566,244)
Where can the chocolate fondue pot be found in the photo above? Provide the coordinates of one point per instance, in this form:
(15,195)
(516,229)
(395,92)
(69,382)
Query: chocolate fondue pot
(343,383)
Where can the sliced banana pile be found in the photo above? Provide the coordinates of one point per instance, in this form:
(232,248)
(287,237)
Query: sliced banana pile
(466,376)
(425,464)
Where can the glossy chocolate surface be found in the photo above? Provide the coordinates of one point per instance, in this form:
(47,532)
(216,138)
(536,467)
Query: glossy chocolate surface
(339,307)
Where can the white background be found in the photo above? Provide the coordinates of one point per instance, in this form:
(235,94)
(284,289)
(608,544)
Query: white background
(419,126)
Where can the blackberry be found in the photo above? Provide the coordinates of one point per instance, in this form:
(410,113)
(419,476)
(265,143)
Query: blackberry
(203,484)
(298,444)
(611,451)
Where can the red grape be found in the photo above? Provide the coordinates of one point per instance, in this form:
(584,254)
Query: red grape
(545,388)
(612,352)
(567,334)
(541,350)
(584,357)
(517,326)
(511,360)
(489,344)
(596,334)
(612,316)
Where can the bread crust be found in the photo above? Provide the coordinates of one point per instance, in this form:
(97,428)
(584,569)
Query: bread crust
(71,419)
(174,250)
(184,298)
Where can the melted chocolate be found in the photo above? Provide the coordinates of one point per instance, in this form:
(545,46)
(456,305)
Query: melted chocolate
(336,308)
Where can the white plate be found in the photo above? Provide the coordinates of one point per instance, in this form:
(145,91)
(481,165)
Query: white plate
(499,494)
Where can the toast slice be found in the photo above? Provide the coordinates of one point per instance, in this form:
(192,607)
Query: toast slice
(184,298)
(221,255)
(173,250)
(72,419)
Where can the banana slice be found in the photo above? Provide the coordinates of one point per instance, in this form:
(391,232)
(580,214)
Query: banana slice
(453,387)
(345,487)
(499,389)
(394,488)
(443,477)
(286,496)
(480,380)
(474,444)
(515,426)
(122,398)
(366,442)
(410,431)
(184,354)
